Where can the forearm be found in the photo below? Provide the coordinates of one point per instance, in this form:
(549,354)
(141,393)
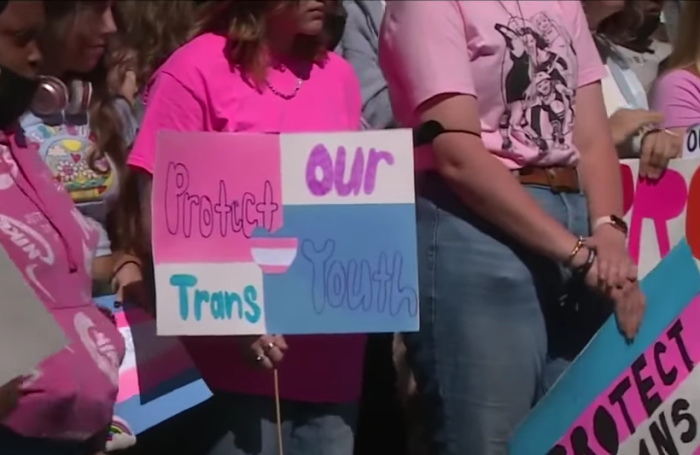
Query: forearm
(494,193)
(599,169)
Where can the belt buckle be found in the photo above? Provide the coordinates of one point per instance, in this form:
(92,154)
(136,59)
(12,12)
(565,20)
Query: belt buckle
(551,179)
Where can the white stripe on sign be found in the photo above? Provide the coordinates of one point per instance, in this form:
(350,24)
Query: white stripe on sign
(367,167)
(673,428)
(691,142)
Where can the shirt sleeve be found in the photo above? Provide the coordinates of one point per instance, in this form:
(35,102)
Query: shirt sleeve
(677,96)
(424,51)
(170,106)
(590,66)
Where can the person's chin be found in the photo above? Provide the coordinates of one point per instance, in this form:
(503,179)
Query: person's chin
(312,28)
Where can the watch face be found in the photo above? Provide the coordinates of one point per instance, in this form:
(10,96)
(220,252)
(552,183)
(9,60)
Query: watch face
(619,223)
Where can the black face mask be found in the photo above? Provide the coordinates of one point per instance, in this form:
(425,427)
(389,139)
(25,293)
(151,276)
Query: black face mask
(16,95)
(648,27)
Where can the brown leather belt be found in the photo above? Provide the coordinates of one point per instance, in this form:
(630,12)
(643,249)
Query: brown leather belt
(558,178)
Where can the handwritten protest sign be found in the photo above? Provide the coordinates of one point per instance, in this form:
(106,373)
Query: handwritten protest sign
(661,213)
(28,332)
(640,398)
(291,234)
(644,397)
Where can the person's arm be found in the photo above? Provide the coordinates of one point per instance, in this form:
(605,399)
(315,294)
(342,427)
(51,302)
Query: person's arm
(355,47)
(599,166)
(485,184)
(424,49)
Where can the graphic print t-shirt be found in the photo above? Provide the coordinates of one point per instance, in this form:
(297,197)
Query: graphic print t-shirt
(67,148)
(540,52)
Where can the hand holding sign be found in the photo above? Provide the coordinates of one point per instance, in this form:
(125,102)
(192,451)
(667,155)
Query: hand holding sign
(658,148)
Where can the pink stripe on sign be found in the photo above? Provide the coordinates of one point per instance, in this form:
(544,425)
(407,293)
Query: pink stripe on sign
(633,397)
(207,213)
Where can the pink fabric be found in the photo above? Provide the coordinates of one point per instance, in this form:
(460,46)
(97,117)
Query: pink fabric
(530,68)
(677,96)
(196,90)
(70,395)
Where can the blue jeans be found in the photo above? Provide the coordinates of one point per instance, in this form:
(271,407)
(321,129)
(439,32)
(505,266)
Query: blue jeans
(307,428)
(498,322)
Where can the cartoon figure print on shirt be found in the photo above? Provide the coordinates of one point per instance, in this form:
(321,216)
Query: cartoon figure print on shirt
(67,150)
(539,79)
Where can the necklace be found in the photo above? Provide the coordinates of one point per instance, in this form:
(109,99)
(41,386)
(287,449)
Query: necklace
(285,96)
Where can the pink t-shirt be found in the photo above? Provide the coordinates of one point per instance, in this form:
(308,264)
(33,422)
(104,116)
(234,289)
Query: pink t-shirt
(677,96)
(523,61)
(196,90)
(71,394)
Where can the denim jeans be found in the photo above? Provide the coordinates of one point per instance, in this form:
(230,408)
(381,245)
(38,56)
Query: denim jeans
(498,322)
(12,443)
(307,428)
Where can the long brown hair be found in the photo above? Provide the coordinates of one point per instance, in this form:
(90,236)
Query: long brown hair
(686,50)
(150,31)
(105,122)
(244,25)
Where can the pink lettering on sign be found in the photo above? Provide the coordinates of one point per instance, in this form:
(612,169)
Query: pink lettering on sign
(692,216)
(363,176)
(637,393)
(661,202)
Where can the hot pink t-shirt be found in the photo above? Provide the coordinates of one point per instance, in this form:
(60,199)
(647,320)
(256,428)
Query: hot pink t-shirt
(196,90)
(677,96)
(523,61)
(71,394)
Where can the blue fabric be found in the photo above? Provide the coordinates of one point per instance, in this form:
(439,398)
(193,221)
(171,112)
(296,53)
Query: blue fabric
(499,324)
(628,83)
(307,428)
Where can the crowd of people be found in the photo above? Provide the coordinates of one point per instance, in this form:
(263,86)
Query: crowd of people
(521,110)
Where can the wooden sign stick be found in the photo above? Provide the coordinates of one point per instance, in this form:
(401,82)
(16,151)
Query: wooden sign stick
(278,412)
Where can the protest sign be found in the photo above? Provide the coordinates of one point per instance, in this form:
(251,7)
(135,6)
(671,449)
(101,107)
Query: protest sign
(641,397)
(661,213)
(289,234)
(637,398)
(28,332)
(691,142)
(157,379)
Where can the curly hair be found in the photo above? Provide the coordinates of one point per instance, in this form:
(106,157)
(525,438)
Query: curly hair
(105,122)
(243,23)
(149,32)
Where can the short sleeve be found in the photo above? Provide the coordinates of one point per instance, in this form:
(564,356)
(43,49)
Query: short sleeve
(170,106)
(590,66)
(677,96)
(354,98)
(424,52)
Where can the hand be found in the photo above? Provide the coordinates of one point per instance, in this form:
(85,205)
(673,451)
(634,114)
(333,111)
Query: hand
(657,149)
(130,287)
(630,305)
(266,351)
(624,123)
(9,394)
(613,263)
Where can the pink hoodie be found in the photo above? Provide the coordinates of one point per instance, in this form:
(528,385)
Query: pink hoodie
(70,395)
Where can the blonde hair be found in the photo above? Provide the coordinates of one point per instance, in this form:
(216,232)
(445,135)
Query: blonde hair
(686,50)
